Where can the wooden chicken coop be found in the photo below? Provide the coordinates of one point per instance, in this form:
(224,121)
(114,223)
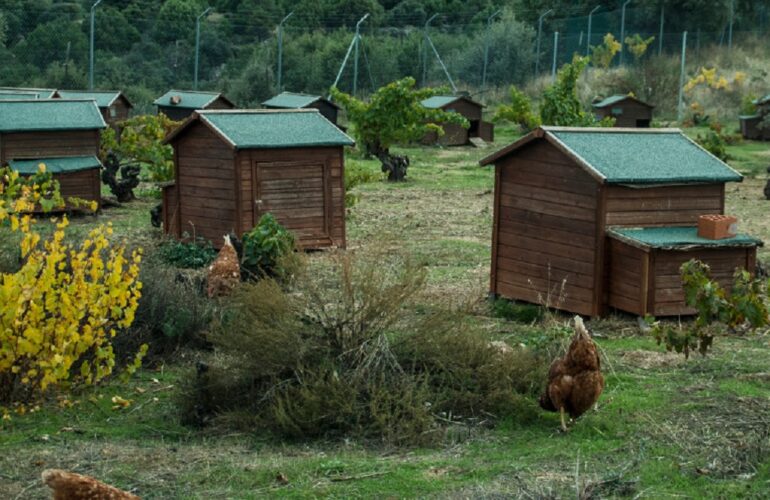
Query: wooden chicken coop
(113,104)
(591,218)
(455,135)
(291,100)
(180,104)
(62,134)
(628,111)
(234,166)
(751,127)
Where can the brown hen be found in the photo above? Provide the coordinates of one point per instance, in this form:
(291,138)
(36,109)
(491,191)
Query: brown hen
(575,381)
(225,271)
(71,486)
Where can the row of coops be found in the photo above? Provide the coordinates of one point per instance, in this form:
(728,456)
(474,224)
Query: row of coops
(63,134)
(752,125)
(233,166)
(591,218)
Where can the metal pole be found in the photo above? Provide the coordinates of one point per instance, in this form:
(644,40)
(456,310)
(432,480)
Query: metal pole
(539,32)
(662,21)
(486,49)
(732,18)
(342,66)
(590,19)
(91,48)
(198,45)
(425,51)
(555,50)
(623,29)
(446,72)
(355,58)
(681,79)
(280,49)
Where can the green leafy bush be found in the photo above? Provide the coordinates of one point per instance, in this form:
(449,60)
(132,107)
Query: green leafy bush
(714,141)
(519,111)
(267,249)
(339,354)
(561,105)
(744,306)
(187,254)
(355,175)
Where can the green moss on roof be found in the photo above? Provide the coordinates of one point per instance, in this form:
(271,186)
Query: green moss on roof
(103,98)
(49,114)
(644,157)
(291,100)
(276,129)
(189,99)
(56,165)
(677,237)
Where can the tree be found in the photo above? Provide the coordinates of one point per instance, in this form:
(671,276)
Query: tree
(394,115)
(561,105)
(519,111)
(638,45)
(603,54)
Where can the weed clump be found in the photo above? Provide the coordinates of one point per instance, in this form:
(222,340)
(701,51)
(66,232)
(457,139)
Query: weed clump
(339,353)
(192,254)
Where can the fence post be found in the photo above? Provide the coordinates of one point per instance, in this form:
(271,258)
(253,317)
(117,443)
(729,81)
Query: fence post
(590,19)
(355,57)
(91,48)
(555,51)
(662,21)
(732,18)
(623,30)
(425,50)
(681,79)
(280,50)
(198,45)
(539,32)
(486,49)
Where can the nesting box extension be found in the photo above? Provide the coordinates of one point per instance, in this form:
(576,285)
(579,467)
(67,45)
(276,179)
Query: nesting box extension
(717,226)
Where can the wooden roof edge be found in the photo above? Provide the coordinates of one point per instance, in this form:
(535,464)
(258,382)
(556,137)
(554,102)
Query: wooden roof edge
(614,130)
(256,111)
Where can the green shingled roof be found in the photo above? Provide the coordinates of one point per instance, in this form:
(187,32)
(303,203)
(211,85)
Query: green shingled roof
(677,238)
(49,114)
(103,98)
(15,95)
(40,93)
(274,129)
(291,100)
(56,165)
(438,101)
(613,99)
(761,100)
(643,157)
(189,99)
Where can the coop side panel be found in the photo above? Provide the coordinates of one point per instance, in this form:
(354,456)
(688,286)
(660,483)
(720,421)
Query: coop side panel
(334,177)
(668,291)
(632,111)
(32,145)
(170,210)
(625,281)
(662,206)
(176,114)
(546,243)
(84,184)
(326,109)
(219,103)
(207,198)
(467,109)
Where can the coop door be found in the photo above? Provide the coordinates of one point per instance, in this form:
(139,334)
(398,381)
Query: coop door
(298,195)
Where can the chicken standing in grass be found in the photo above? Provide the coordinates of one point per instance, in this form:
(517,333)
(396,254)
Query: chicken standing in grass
(224,272)
(71,486)
(575,381)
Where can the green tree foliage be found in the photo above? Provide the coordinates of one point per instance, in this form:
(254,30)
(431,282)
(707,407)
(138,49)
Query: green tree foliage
(394,115)
(637,45)
(267,249)
(561,106)
(519,111)
(175,19)
(602,55)
(141,141)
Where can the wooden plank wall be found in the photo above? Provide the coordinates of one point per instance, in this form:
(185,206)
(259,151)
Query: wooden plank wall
(667,285)
(632,111)
(662,206)
(625,280)
(295,192)
(85,184)
(32,145)
(170,210)
(326,109)
(547,230)
(205,182)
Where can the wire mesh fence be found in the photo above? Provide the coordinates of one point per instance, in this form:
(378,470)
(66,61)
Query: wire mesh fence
(237,54)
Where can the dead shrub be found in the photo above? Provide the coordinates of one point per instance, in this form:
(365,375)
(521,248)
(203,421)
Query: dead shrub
(340,353)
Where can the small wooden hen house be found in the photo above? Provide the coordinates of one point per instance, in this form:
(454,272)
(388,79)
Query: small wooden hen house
(455,135)
(113,104)
(180,104)
(292,100)
(233,166)
(62,134)
(751,127)
(591,218)
(628,111)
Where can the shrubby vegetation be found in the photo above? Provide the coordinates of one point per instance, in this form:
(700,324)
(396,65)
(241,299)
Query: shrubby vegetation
(340,353)
(268,250)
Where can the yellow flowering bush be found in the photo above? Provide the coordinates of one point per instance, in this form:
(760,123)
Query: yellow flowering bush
(602,55)
(60,310)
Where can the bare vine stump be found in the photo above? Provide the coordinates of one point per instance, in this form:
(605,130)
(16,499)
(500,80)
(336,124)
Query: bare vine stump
(156,215)
(767,190)
(122,188)
(394,165)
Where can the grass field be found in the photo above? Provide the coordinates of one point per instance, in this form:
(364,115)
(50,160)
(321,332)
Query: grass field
(664,427)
